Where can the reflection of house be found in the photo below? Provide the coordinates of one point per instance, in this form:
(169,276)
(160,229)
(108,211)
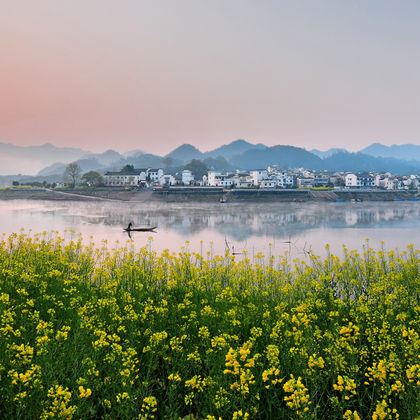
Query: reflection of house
(360,180)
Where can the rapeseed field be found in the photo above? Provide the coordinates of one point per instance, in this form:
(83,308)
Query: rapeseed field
(90,333)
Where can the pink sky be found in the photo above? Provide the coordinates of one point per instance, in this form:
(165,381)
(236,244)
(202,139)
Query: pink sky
(152,75)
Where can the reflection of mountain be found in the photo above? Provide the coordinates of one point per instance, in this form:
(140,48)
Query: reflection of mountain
(241,222)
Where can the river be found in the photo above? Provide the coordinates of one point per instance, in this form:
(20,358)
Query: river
(270,228)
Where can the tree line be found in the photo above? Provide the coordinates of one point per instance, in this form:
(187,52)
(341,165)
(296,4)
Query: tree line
(73,176)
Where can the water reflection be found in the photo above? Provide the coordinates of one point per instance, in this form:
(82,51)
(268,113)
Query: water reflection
(244,225)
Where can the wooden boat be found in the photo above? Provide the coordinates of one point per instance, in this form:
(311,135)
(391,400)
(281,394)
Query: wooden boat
(143,229)
(140,229)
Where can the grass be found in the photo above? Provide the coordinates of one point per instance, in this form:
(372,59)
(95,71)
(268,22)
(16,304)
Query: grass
(88,333)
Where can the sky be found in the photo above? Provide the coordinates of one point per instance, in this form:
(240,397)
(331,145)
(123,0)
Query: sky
(152,75)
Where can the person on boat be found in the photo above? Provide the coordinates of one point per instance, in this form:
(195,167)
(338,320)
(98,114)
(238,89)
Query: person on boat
(129,226)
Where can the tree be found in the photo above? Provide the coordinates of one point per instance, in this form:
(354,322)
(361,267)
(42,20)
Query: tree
(93,179)
(127,169)
(218,164)
(197,167)
(71,175)
(167,162)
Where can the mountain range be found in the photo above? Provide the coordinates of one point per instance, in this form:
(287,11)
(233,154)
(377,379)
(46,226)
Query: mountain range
(187,152)
(48,160)
(31,159)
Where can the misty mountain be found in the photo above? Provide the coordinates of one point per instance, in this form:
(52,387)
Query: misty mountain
(327,153)
(402,151)
(107,158)
(89,164)
(54,169)
(146,160)
(31,159)
(93,162)
(185,153)
(235,148)
(102,162)
(283,156)
(133,153)
(295,157)
(360,162)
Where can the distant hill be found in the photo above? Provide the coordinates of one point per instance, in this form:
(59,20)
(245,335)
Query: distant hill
(145,160)
(327,153)
(31,159)
(283,156)
(90,164)
(396,151)
(103,163)
(185,153)
(93,162)
(107,158)
(360,162)
(132,153)
(295,157)
(54,169)
(235,148)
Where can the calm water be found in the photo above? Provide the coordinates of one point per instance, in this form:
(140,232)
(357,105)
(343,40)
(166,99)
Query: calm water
(271,228)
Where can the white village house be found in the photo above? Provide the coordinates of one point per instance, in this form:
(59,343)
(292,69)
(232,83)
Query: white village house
(167,180)
(217,179)
(133,177)
(258,175)
(126,178)
(187,177)
(361,180)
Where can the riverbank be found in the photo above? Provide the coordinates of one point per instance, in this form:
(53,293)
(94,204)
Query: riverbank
(205,195)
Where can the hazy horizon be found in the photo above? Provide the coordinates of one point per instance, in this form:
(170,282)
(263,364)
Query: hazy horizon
(154,75)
